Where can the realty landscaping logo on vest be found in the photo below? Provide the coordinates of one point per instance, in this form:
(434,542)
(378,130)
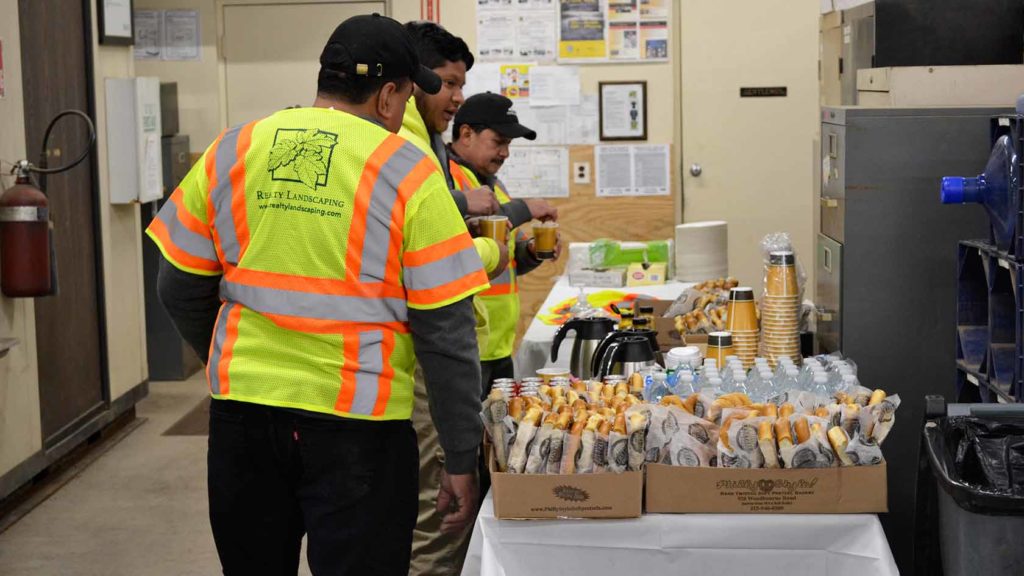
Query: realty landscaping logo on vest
(301,155)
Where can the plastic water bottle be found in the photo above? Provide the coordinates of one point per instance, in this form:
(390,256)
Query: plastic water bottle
(849,383)
(715,385)
(820,385)
(755,385)
(996,189)
(684,385)
(739,383)
(657,388)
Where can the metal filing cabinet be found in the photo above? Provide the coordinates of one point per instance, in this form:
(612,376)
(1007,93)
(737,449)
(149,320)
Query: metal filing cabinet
(886,264)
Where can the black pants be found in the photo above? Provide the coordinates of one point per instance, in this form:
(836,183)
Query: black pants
(492,370)
(275,474)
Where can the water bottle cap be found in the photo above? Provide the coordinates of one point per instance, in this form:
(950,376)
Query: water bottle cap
(820,379)
(793,372)
(849,378)
(715,381)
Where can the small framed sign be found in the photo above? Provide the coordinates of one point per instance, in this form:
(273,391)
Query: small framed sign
(115,21)
(622,110)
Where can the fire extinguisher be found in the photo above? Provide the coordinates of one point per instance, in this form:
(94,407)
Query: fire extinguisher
(27,263)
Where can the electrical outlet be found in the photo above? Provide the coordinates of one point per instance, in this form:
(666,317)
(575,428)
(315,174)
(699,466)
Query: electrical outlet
(581,172)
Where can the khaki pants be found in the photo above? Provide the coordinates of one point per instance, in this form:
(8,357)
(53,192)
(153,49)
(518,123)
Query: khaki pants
(433,553)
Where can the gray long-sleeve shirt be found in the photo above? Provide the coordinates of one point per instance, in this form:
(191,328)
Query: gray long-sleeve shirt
(444,340)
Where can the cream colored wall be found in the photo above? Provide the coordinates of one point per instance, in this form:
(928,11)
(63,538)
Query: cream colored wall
(20,430)
(122,242)
(199,112)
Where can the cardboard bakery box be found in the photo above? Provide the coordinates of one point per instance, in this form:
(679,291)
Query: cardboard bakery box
(842,490)
(668,336)
(539,496)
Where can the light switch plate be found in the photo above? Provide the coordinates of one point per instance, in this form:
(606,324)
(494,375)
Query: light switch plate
(581,172)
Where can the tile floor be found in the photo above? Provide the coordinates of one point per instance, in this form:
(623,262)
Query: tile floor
(140,509)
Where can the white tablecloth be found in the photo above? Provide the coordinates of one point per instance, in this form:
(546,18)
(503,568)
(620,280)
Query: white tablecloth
(535,350)
(681,544)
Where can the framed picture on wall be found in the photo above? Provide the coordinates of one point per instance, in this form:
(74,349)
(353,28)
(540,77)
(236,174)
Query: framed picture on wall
(622,110)
(115,22)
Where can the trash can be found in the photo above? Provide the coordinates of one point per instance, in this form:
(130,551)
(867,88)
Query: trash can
(976,454)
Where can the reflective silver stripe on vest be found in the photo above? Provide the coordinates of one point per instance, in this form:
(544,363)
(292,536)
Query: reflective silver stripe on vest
(443,271)
(371,364)
(315,306)
(504,279)
(220,335)
(227,156)
(185,239)
(378,218)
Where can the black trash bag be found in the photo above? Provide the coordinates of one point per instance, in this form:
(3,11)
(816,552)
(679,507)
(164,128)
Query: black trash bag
(987,454)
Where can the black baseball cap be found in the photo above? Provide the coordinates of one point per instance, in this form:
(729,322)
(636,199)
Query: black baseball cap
(495,112)
(376,46)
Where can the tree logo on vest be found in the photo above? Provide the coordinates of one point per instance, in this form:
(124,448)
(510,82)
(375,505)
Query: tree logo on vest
(301,155)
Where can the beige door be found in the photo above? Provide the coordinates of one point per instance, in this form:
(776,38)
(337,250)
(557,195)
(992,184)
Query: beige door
(272,52)
(754,156)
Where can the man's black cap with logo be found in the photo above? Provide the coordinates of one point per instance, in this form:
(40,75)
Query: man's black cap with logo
(376,46)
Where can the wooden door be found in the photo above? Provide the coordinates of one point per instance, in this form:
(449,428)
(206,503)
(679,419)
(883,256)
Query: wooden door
(272,53)
(756,154)
(56,70)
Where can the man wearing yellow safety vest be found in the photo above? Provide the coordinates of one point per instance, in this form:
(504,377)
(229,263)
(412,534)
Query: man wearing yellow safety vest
(426,117)
(484,127)
(311,257)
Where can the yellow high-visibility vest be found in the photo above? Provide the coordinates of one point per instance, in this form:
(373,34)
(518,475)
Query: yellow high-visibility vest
(502,299)
(326,229)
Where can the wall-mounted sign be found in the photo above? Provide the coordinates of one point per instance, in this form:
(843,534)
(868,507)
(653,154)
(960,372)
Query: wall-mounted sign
(115,22)
(763,92)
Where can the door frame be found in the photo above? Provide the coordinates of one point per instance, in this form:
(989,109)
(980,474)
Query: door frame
(72,429)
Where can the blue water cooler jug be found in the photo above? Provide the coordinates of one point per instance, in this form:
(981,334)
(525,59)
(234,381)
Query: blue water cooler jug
(997,189)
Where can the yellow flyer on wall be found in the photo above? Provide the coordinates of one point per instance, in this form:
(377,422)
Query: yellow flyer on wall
(582,30)
(515,81)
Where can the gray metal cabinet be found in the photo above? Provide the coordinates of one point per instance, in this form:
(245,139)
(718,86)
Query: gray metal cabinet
(886,264)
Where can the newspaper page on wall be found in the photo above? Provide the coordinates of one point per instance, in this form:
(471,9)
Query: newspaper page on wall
(515,30)
(632,170)
(613,30)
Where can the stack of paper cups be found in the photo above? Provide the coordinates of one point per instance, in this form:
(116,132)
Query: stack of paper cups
(741,320)
(780,312)
(702,251)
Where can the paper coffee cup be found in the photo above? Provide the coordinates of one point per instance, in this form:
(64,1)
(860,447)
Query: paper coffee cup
(495,227)
(545,237)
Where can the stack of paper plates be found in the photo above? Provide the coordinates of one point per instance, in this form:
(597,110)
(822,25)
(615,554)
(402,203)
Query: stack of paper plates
(702,251)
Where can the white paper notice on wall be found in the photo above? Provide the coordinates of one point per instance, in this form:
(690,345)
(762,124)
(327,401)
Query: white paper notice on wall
(484,77)
(516,30)
(496,35)
(632,170)
(536,172)
(559,125)
(181,35)
(149,34)
(554,85)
